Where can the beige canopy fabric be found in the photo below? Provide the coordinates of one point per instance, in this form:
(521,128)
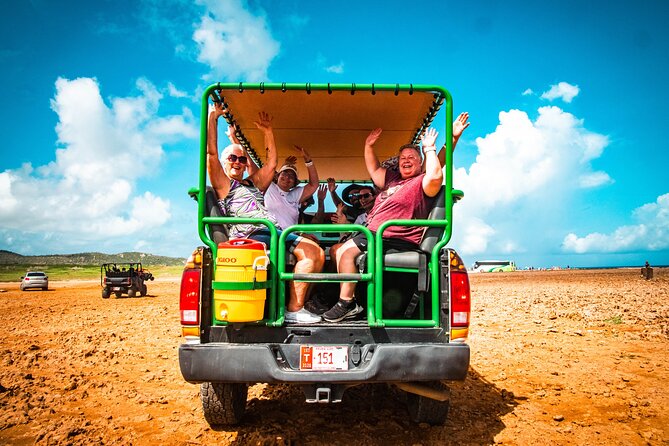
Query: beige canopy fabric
(331,126)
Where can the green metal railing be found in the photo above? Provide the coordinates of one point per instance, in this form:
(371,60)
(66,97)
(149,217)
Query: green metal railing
(327,277)
(277,274)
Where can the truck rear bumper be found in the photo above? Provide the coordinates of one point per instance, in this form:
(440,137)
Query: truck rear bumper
(279,363)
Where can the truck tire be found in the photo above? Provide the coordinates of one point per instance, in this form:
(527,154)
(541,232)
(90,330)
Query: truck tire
(106,292)
(426,410)
(131,292)
(143,291)
(223,403)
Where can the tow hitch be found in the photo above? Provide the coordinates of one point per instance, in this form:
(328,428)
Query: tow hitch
(324,393)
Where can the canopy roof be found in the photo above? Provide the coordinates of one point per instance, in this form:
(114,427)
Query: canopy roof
(331,121)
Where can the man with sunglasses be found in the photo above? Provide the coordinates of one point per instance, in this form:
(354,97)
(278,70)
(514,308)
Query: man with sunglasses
(243,197)
(366,197)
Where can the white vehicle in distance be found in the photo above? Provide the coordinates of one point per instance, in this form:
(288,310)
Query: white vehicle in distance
(493,266)
(35,279)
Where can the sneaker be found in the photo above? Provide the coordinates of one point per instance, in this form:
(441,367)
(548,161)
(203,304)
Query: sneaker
(302,316)
(316,306)
(341,311)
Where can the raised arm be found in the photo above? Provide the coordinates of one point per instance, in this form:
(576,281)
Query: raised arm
(459,126)
(319,216)
(219,180)
(434,174)
(264,176)
(376,172)
(312,185)
(332,187)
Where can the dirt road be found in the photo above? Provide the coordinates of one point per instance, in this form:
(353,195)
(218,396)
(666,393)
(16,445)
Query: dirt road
(564,357)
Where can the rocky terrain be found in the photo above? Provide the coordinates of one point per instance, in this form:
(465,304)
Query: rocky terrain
(558,357)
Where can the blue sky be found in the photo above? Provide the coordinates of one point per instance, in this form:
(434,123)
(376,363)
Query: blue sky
(564,163)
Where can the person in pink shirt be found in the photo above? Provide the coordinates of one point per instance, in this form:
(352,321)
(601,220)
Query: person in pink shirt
(406,193)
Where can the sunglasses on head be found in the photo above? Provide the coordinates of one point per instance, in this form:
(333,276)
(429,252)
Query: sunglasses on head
(234,158)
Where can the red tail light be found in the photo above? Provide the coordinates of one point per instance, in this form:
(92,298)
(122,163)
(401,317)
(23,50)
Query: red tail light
(189,299)
(461,303)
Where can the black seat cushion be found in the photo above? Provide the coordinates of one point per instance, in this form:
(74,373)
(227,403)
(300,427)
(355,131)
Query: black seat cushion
(393,258)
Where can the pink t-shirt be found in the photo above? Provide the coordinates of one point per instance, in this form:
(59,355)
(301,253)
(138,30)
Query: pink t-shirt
(401,200)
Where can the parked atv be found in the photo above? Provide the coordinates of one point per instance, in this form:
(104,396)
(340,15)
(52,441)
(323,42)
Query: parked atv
(123,278)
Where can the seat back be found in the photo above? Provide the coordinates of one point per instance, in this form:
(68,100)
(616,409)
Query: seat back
(218,233)
(432,235)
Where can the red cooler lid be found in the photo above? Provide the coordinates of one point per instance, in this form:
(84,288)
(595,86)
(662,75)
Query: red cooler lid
(242,243)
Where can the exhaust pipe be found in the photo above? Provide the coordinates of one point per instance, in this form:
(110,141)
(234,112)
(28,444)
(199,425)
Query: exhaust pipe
(424,390)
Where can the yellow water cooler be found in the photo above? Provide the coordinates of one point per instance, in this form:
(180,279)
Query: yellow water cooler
(240,281)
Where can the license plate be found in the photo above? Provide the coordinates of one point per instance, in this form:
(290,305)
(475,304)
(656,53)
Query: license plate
(116,288)
(323,358)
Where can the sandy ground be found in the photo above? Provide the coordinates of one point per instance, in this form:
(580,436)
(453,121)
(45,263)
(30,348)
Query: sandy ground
(564,357)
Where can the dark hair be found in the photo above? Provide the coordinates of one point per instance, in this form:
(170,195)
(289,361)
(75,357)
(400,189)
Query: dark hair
(372,189)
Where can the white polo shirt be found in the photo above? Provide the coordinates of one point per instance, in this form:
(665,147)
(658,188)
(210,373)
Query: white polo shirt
(283,205)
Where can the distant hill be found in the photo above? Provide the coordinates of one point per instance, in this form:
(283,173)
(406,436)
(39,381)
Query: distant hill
(88,258)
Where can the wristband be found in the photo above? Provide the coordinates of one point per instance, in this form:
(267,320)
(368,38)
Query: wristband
(430,150)
(308,163)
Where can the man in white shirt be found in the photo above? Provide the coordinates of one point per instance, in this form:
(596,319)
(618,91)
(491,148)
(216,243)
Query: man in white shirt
(283,197)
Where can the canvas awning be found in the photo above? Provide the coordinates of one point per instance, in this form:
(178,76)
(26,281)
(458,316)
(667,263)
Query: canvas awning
(331,122)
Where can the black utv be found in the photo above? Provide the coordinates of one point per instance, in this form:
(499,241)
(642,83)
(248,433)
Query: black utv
(123,278)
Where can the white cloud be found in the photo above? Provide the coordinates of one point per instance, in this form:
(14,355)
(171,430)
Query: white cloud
(528,92)
(594,179)
(523,179)
(651,233)
(147,211)
(563,90)
(173,127)
(337,69)
(175,92)
(324,64)
(87,193)
(475,234)
(234,43)
(8,203)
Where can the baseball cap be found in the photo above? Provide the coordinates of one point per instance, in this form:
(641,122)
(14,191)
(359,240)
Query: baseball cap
(288,167)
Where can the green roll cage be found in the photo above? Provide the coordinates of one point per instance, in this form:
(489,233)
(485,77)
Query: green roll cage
(277,274)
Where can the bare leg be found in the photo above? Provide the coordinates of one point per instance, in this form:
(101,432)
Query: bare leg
(310,259)
(332,264)
(346,255)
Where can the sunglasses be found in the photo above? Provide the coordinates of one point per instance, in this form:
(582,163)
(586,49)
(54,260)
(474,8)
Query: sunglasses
(367,195)
(234,158)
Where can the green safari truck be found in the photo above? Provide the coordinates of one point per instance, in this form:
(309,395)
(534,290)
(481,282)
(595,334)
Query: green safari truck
(413,332)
